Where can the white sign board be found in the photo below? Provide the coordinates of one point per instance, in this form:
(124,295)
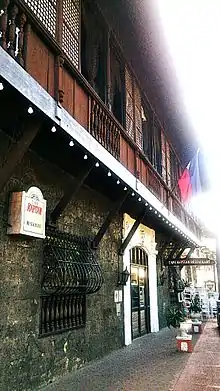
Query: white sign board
(28,213)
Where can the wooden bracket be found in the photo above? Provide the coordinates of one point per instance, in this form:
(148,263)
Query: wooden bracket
(183,246)
(70,194)
(164,246)
(175,248)
(116,208)
(17,152)
(132,232)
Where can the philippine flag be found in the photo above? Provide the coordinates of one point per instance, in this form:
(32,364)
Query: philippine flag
(190,182)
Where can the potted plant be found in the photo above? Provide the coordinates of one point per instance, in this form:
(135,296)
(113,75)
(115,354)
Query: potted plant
(175,315)
(195,308)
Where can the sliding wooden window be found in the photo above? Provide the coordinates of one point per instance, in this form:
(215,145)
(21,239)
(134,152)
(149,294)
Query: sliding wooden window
(163,157)
(94,46)
(133,109)
(116,84)
(61,19)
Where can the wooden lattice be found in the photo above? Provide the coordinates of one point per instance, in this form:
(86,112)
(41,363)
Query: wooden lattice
(71,30)
(154,185)
(46,12)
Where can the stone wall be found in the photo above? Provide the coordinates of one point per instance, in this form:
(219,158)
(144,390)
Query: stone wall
(26,361)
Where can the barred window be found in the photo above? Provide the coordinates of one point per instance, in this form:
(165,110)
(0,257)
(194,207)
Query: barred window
(70,271)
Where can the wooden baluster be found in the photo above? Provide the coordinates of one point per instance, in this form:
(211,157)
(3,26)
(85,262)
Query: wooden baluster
(112,139)
(12,31)
(26,46)
(100,136)
(95,119)
(104,127)
(22,21)
(3,24)
(117,141)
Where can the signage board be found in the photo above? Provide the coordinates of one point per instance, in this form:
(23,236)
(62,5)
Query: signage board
(190,261)
(27,213)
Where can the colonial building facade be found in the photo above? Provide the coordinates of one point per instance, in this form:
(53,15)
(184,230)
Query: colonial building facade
(90,209)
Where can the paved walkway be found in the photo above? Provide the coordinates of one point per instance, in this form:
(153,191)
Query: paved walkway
(151,363)
(202,370)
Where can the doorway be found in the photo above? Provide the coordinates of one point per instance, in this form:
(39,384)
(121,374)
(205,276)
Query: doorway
(140,301)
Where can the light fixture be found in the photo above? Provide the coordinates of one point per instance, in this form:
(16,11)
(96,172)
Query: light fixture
(30,110)
(97,164)
(71,143)
(167,222)
(85,157)
(133,194)
(159,215)
(53,129)
(163,219)
(125,188)
(155,212)
(1,86)
(146,203)
(118,182)
(123,277)
(109,173)
(150,208)
(139,199)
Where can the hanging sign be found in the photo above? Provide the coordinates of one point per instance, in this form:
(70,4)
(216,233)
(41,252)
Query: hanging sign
(190,261)
(27,213)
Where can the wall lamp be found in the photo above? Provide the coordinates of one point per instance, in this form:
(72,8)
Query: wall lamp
(123,277)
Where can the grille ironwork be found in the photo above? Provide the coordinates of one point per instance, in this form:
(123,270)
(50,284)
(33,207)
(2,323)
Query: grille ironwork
(62,312)
(69,266)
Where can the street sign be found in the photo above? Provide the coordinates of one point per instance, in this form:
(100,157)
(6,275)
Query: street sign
(190,261)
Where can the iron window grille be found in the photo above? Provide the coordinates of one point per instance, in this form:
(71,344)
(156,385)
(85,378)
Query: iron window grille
(70,271)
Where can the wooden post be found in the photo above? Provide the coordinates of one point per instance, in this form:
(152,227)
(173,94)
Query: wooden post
(17,152)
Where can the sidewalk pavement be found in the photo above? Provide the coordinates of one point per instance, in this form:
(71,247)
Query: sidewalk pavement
(151,363)
(202,370)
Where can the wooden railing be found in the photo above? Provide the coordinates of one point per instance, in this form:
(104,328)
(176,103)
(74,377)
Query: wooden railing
(104,129)
(61,79)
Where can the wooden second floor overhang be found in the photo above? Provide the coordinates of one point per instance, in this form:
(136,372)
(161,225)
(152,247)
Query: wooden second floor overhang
(109,175)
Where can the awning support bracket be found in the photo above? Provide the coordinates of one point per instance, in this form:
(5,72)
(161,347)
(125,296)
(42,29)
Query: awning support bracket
(132,232)
(70,194)
(17,152)
(112,213)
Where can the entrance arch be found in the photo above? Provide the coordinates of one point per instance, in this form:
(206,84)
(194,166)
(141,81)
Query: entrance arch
(140,300)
